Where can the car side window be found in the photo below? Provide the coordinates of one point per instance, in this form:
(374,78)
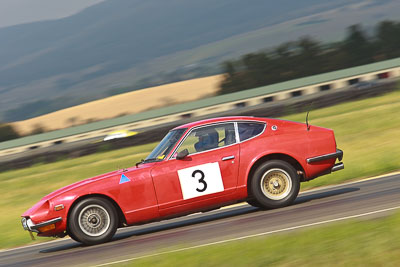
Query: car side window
(209,137)
(248,130)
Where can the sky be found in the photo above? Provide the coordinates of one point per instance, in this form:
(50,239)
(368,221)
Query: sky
(13,12)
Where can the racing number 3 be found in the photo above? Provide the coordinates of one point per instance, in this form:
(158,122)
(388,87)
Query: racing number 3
(201,180)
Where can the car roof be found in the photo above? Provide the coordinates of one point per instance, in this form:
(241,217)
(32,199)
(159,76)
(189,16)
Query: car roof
(220,119)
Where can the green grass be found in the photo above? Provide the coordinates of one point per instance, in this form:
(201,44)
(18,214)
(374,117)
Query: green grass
(367,131)
(349,243)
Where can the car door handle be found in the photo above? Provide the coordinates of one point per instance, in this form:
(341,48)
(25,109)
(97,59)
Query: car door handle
(228,157)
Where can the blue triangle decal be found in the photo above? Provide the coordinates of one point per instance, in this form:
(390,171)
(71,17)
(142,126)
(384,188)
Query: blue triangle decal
(124,179)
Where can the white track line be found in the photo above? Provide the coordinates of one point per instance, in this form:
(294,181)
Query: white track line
(250,236)
(325,187)
(35,245)
(351,182)
(239,204)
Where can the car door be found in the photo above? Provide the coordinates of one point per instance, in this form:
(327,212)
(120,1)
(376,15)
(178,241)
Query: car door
(206,175)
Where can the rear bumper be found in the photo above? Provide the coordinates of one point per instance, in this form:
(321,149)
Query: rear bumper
(329,168)
(336,155)
(337,167)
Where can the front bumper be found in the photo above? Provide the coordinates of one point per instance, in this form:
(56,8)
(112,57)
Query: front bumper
(28,225)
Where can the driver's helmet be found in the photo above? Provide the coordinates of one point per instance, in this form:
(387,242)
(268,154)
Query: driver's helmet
(208,139)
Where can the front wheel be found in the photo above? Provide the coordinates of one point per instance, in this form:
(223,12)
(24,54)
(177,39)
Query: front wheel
(92,221)
(275,184)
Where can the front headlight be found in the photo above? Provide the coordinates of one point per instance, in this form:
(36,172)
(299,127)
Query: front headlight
(24,223)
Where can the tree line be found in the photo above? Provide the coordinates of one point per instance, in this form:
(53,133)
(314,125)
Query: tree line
(7,132)
(307,56)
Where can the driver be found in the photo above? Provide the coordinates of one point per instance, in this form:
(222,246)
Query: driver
(208,139)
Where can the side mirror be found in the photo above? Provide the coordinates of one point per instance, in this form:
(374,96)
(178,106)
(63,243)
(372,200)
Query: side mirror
(182,154)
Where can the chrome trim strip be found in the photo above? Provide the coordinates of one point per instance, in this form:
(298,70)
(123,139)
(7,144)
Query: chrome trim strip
(237,132)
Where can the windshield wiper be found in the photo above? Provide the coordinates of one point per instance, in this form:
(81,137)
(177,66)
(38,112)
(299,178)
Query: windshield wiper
(140,162)
(147,161)
(151,160)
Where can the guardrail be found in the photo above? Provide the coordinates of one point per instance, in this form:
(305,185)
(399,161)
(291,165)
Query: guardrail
(275,109)
(219,104)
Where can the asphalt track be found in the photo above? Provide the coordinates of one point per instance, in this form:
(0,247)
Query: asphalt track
(362,200)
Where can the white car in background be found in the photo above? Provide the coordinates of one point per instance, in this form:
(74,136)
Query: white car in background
(119,134)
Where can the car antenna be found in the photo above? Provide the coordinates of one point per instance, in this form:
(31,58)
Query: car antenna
(308,111)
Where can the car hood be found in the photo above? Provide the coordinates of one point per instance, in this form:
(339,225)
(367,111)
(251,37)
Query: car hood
(45,199)
(79,184)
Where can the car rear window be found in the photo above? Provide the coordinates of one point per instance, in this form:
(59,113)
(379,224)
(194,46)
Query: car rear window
(248,130)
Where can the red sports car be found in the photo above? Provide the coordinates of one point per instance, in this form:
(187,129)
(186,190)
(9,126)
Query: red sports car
(196,167)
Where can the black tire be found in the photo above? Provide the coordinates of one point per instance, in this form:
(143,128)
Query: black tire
(93,221)
(275,184)
(254,203)
(72,236)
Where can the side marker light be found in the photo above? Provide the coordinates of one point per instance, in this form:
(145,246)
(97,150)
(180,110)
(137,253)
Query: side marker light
(47,228)
(59,207)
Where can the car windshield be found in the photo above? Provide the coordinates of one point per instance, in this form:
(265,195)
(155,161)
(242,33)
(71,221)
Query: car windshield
(165,146)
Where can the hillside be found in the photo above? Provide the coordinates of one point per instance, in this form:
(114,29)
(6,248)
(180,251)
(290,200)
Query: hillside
(114,106)
(118,43)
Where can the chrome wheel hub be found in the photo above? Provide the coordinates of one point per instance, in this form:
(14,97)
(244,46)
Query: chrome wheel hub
(94,220)
(276,184)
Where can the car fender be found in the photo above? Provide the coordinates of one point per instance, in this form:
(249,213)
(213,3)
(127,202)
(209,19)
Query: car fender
(246,173)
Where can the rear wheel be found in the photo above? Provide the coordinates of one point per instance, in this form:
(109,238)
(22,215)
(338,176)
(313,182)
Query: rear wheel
(92,221)
(275,184)
(254,203)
